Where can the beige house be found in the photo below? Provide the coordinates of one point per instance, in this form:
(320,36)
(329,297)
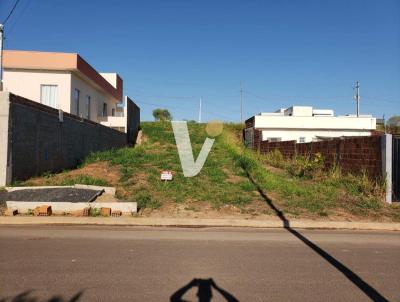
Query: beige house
(65,81)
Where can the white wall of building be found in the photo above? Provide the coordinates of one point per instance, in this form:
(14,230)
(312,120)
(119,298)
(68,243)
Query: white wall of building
(26,83)
(305,124)
(315,122)
(308,135)
(97,98)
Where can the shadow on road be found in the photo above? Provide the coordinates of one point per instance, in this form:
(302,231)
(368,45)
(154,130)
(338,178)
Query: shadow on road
(371,292)
(28,296)
(204,292)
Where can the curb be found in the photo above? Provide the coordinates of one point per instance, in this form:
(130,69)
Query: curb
(198,222)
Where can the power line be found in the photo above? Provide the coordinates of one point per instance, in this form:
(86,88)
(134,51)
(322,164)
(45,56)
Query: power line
(268,98)
(165,96)
(11,28)
(11,12)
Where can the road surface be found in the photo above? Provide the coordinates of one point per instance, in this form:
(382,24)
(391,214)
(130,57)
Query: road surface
(94,263)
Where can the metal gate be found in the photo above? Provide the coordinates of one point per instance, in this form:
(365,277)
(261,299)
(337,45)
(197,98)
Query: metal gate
(396,169)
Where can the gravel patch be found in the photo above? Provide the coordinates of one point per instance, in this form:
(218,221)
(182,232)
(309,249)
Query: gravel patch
(53,194)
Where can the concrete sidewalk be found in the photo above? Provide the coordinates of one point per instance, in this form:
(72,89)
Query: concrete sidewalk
(197,222)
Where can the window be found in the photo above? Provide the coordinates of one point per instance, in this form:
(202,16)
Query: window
(113,112)
(49,95)
(302,139)
(104,109)
(274,139)
(75,102)
(87,107)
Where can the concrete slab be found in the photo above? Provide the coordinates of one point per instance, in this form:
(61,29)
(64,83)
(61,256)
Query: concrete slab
(107,190)
(69,207)
(124,207)
(52,194)
(12,189)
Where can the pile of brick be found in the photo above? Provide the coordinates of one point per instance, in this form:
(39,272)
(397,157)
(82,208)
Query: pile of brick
(116,213)
(10,212)
(42,211)
(105,212)
(82,213)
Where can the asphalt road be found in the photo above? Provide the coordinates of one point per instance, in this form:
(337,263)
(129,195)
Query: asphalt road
(92,263)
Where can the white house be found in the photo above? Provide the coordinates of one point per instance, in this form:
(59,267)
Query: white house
(305,124)
(66,81)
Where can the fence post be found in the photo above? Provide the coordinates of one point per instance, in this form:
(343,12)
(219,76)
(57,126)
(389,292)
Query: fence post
(5,154)
(386,151)
(338,151)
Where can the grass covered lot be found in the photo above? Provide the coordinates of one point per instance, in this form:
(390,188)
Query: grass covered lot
(234,181)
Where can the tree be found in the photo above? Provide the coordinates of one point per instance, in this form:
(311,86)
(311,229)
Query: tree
(394,121)
(393,125)
(162,114)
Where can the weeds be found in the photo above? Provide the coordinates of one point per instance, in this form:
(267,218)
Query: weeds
(306,166)
(85,180)
(234,175)
(145,200)
(95,212)
(275,159)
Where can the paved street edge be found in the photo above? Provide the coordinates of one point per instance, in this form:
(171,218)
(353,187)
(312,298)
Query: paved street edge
(199,222)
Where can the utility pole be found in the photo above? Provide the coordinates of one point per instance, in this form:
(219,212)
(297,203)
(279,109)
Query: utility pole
(241,102)
(200,110)
(1,56)
(357,97)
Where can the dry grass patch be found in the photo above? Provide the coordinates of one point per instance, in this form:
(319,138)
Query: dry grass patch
(97,173)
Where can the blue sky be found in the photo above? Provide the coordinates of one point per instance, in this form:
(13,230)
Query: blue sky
(170,53)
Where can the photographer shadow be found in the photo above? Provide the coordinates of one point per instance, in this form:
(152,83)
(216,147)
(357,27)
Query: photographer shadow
(204,292)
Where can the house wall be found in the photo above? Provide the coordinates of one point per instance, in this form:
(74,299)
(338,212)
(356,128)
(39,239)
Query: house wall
(315,122)
(97,98)
(308,134)
(289,128)
(26,83)
(35,141)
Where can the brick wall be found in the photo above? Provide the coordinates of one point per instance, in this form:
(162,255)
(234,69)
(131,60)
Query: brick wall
(38,142)
(287,148)
(352,155)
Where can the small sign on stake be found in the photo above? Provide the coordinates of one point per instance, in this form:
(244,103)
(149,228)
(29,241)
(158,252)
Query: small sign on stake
(166,175)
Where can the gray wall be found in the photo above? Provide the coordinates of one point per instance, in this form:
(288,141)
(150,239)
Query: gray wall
(133,121)
(38,142)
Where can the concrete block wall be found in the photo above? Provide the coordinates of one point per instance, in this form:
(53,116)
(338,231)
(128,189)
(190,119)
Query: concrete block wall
(37,141)
(133,122)
(352,155)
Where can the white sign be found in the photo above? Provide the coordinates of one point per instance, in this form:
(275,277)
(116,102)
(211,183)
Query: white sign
(166,175)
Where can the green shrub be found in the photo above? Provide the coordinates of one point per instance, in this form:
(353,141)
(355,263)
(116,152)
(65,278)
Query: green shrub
(275,159)
(306,166)
(94,212)
(369,203)
(145,200)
